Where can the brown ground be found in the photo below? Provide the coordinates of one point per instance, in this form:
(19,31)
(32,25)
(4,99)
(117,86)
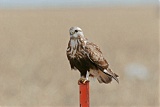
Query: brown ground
(34,70)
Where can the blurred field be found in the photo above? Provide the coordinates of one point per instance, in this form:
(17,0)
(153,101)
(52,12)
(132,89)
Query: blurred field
(34,70)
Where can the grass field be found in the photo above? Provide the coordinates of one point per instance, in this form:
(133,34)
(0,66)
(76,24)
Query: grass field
(34,70)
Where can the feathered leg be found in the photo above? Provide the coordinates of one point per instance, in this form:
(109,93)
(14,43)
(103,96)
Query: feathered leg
(84,78)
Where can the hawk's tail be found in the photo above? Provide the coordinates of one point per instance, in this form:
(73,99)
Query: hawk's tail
(106,76)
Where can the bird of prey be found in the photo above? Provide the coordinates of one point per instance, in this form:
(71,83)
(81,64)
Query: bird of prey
(87,58)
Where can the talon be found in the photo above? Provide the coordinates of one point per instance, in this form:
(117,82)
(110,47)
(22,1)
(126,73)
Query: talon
(82,81)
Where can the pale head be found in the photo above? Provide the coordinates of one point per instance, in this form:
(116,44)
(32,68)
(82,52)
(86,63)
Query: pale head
(75,32)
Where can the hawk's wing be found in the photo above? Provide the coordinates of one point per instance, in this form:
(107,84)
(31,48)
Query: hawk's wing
(95,55)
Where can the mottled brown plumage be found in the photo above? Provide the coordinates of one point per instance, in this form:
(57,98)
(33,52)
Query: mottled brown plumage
(87,57)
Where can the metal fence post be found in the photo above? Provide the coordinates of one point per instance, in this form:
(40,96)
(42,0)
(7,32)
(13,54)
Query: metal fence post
(84,94)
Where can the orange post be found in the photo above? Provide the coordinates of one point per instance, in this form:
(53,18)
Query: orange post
(84,94)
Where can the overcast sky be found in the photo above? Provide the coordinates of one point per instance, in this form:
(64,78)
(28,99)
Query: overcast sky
(63,3)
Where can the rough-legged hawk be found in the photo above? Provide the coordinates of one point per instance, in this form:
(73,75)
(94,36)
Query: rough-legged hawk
(87,58)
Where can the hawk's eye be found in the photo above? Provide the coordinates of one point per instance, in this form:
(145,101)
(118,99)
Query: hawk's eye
(76,30)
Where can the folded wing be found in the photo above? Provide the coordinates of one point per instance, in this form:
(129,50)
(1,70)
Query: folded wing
(95,55)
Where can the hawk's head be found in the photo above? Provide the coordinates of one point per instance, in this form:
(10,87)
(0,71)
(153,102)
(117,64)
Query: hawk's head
(75,32)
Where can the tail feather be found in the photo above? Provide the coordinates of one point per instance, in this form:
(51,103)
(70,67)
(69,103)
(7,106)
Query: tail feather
(116,75)
(103,78)
(106,76)
(108,71)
